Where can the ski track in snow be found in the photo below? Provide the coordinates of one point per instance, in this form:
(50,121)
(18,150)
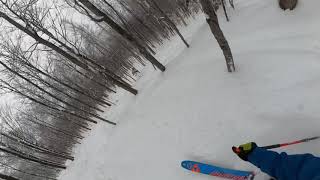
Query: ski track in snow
(196,110)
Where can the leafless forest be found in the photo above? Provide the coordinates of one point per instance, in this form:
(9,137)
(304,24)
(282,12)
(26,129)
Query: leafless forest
(60,61)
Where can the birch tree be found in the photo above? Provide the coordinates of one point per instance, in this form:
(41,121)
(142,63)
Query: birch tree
(213,22)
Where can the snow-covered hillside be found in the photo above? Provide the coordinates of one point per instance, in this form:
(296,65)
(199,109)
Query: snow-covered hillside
(196,110)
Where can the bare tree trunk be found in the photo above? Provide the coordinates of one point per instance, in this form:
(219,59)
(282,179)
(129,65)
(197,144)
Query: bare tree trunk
(187,3)
(152,32)
(53,96)
(171,24)
(66,85)
(6,177)
(45,82)
(224,9)
(46,105)
(213,22)
(32,174)
(30,157)
(69,57)
(126,26)
(121,31)
(45,150)
(55,130)
(231,3)
(64,118)
(288,4)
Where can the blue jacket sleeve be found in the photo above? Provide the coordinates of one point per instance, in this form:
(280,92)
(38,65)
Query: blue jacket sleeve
(286,167)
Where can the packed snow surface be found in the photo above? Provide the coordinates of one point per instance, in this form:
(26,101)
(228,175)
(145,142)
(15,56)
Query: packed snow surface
(196,110)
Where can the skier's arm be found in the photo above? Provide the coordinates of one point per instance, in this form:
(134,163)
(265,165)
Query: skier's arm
(283,166)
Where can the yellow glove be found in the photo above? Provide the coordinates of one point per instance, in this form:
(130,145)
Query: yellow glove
(244,150)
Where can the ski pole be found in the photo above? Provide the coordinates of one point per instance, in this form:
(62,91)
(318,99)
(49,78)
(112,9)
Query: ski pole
(237,150)
(291,143)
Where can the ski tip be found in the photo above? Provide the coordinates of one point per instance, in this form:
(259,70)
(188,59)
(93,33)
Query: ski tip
(186,164)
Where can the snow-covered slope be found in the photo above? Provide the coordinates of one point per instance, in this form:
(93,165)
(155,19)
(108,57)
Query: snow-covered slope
(198,111)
